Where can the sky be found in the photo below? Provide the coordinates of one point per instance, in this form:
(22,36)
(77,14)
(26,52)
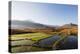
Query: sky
(45,13)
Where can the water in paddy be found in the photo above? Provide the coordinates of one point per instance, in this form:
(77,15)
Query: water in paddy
(70,42)
(47,42)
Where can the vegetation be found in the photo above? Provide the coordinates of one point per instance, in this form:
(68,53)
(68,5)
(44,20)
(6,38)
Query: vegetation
(23,39)
(23,42)
(31,36)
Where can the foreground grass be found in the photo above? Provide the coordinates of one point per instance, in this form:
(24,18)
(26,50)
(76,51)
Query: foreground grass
(27,49)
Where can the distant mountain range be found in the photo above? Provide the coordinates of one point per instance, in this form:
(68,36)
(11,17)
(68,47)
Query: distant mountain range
(30,26)
(27,24)
(69,25)
(15,24)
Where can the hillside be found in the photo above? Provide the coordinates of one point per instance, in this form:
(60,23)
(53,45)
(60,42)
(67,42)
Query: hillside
(27,24)
(19,27)
(69,29)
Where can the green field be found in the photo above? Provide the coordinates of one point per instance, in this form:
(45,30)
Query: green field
(23,42)
(32,36)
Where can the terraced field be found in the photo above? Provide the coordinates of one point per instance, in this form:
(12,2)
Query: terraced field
(23,42)
(41,42)
(32,36)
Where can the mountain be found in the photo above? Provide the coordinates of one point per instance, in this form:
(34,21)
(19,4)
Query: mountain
(69,25)
(30,26)
(15,24)
(70,29)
